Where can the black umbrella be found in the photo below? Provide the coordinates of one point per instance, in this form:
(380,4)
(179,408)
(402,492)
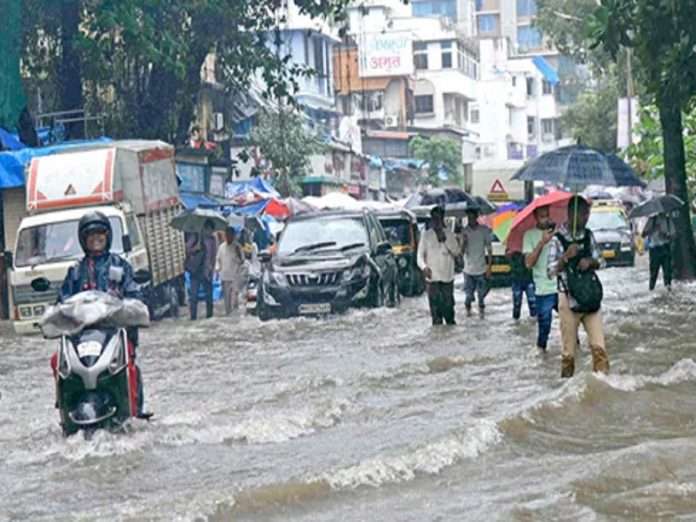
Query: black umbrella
(579,166)
(439,196)
(655,206)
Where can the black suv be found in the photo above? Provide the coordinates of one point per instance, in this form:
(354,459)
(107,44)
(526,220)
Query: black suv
(328,262)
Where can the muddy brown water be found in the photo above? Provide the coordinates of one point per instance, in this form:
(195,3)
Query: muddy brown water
(372,416)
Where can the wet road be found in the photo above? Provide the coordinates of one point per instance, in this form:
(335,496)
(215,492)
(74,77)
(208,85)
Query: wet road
(374,416)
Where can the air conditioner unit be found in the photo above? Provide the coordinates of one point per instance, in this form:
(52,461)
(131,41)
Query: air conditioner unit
(219,120)
(391,122)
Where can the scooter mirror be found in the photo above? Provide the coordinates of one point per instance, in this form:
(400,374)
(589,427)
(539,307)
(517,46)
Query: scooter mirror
(41,284)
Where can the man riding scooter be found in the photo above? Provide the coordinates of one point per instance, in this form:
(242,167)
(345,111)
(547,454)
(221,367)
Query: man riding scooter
(103,271)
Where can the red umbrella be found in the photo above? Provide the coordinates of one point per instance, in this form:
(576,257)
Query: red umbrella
(558,204)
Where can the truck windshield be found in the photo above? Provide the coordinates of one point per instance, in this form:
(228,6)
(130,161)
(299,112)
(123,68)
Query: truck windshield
(52,242)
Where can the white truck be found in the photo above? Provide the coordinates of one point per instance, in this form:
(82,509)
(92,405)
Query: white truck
(134,184)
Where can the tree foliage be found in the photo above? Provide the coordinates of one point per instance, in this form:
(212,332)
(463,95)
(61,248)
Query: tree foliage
(592,119)
(646,156)
(443,157)
(285,142)
(662,35)
(141,59)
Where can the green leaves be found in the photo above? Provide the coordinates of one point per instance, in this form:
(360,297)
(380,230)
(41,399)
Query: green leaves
(440,154)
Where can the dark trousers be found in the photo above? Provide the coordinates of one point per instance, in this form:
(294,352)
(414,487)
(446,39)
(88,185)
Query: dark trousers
(441,301)
(661,256)
(207,284)
(519,289)
(545,305)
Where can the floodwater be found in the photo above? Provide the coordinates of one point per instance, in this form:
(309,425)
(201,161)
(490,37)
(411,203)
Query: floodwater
(374,416)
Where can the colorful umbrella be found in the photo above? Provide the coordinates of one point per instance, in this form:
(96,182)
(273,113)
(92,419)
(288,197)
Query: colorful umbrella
(525,220)
(501,221)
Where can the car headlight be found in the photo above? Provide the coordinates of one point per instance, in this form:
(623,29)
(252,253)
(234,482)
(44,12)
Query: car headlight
(403,262)
(356,272)
(275,278)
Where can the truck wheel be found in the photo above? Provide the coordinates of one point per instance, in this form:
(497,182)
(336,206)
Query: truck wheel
(173,303)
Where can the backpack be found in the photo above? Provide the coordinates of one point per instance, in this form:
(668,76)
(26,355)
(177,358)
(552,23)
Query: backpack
(584,287)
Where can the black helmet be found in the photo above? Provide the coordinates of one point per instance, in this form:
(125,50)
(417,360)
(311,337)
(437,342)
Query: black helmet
(92,222)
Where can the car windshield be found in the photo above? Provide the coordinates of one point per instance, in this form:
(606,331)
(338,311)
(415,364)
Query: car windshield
(57,242)
(398,231)
(606,221)
(323,233)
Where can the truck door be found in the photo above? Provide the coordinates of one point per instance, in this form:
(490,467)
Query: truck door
(137,257)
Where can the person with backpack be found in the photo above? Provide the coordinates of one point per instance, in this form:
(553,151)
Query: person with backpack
(574,259)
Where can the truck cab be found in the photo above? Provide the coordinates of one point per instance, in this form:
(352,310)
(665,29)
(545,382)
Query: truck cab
(48,245)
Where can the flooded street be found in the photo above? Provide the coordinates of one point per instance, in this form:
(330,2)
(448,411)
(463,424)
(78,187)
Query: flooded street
(374,415)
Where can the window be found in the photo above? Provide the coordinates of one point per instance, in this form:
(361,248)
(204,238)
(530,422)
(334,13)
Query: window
(547,129)
(557,130)
(133,231)
(514,80)
(424,8)
(546,87)
(530,86)
(424,104)
(526,7)
(475,115)
(528,38)
(487,23)
(446,48)
(531,127)
(420,55)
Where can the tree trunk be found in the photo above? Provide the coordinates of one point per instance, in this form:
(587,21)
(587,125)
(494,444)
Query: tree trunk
(684,248)
(70,67)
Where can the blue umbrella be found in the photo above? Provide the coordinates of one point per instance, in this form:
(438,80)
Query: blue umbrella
(578,166)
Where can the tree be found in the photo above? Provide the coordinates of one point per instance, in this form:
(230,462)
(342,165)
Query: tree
(284,141)
(140,60)
(662,36)
(592,119)
(443,157)
(646,156)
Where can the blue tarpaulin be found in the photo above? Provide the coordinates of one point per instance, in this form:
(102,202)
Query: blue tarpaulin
(13,163)
(10,141)
(194,200)
(549,73)
(236,188)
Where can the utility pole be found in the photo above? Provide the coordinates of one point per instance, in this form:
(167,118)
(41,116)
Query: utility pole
(630,93)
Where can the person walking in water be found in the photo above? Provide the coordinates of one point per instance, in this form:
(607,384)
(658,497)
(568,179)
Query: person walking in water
(660,232)
(231,265)
(535,247)
(522,284)
(201,250)
(477,247)
(436,252)
(573,258)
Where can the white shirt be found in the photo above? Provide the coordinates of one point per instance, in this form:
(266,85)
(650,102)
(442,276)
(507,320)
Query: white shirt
(230,261)
(437,256)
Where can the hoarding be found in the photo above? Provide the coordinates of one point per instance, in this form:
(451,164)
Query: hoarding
(385,54)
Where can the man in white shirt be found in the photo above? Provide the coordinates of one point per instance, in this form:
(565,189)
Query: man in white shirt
(478,260)
(436,252)
(232,267)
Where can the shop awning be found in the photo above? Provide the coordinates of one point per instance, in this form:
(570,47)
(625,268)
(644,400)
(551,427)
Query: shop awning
(549,73)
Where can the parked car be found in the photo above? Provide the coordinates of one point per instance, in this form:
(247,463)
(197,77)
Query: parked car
(325,263)
(401,227)
(613,233)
